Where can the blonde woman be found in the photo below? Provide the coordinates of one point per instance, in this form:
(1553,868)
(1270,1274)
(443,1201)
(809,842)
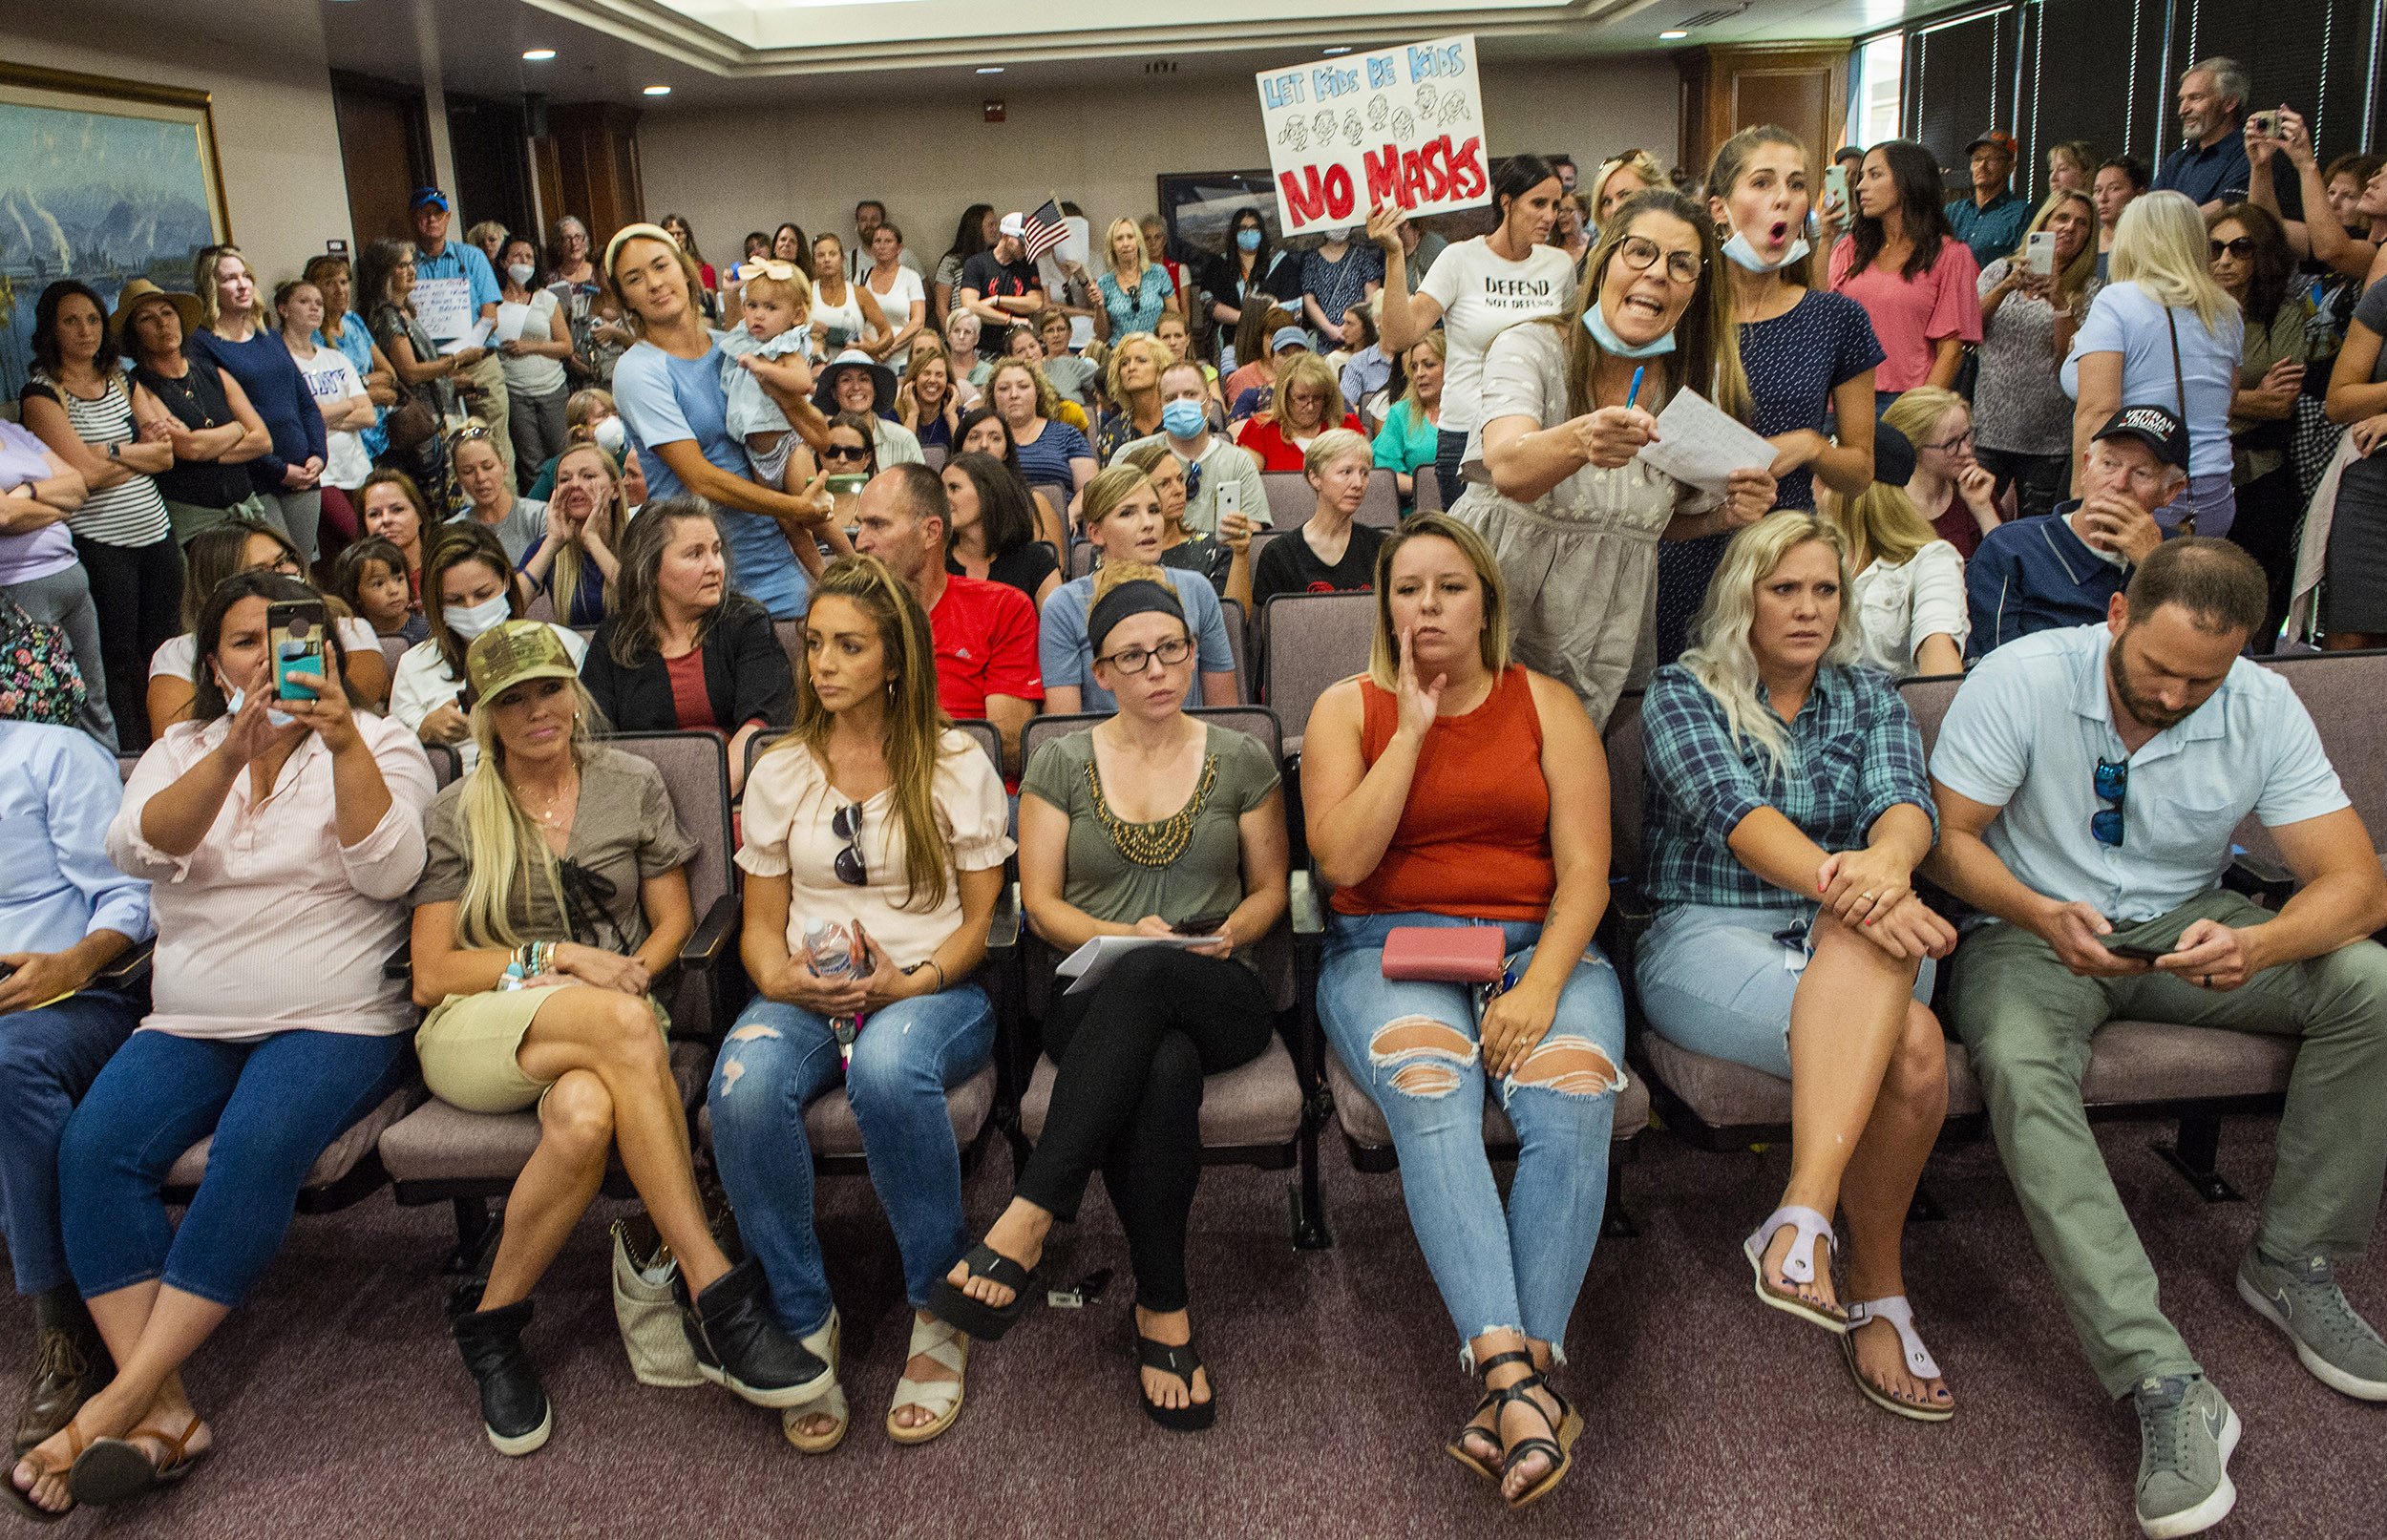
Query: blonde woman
(1406,443)
(926,403)
(1569,510)
(1132,290)
(1330,553)
(877,816)
(1124,524)
(1050,452)
(2162,333)
(575,560)
(1789,805)
(1309,402)
(236,335)
(1906,584)
(1132,378)
(1619,177)
(2024,425)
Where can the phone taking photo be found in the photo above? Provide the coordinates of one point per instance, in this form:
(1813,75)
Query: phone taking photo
(2039,254)
(1836,185)
(295,638)
(1230,501)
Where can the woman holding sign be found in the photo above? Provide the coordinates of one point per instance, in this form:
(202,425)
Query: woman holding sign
(1571,512)
(1475,289)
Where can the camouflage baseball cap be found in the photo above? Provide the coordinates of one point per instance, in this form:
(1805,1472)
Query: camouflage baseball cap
(513,651)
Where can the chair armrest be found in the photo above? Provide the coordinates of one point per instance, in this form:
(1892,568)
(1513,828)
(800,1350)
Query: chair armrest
(713,934)
(1308,914)
(400,963)
(1002,926)
(129,969)
(2266,882)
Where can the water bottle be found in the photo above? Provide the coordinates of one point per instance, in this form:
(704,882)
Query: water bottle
(830,946)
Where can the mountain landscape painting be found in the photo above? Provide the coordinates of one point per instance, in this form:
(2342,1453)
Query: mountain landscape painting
(99,186)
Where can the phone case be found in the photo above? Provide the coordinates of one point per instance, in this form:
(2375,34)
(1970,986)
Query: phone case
(1445,954)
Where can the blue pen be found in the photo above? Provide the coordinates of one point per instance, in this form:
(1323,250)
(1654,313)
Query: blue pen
(1635,394)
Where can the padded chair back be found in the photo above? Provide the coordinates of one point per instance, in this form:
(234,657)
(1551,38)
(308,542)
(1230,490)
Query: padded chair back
(980,732)
(1626,774)
(446,764)
(124,766)
(2342,690)
(790,636)
(1237,643)
(932,455)
(1259,542)
(1083,555)
(1056,493)
(392,649)
(541,606)
(695,768)
(1380,508)
(1291,498)
(1427,490)
(1928,701)
(1314,640)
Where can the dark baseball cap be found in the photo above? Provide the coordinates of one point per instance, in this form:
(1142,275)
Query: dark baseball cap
(2155,427)
(1997,136)
(1893,456)
(427,195)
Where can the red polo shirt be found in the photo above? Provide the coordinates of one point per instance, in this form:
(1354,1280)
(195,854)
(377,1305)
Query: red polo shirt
(985,636)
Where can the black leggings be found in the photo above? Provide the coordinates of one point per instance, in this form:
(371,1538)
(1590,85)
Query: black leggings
(1132,1053)
(137,591)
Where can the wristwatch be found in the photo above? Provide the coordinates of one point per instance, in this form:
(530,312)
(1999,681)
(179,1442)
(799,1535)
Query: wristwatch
(112,450)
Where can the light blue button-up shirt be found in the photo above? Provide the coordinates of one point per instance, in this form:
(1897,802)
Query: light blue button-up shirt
(2026,733)
(59,792)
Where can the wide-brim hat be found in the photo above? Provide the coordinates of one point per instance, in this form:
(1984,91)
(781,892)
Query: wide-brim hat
(511,652)
(130,297)
(882,382)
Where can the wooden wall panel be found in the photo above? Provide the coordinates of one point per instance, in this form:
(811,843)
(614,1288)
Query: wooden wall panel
(1804,87)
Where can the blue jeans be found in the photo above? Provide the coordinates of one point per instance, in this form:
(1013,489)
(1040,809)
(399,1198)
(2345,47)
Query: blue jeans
(48,1060)
(273,1104)
(780,1058)
(1520,1270)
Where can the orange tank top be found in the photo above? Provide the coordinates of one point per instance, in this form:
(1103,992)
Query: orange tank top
(1474,837)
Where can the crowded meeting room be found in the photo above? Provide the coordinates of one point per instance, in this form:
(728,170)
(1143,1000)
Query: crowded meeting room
(1070,598)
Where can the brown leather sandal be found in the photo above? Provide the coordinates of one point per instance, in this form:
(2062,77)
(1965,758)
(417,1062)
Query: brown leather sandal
(116,1471)
(24,1500)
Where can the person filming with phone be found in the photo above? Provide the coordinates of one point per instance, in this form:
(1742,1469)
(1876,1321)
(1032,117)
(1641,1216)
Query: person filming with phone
(2089,780)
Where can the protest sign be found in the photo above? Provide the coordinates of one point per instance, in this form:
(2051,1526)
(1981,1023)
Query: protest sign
(1395,125)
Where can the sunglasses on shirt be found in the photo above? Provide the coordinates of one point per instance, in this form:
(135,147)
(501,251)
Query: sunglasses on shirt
(846,823)
(2112,780)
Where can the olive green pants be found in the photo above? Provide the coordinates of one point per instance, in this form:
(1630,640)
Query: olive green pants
(2028,1023)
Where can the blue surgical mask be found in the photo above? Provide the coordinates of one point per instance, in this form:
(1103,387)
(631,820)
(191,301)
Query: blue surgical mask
(1247,240)
(1182,419)
(469,620)
(1615,346)
(240,697)
(1739,249)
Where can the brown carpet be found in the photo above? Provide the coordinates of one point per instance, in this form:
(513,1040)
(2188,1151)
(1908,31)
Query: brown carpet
(341,1409)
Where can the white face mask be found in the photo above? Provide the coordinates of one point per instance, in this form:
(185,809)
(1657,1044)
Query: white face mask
(522,272)
(612,435)
(469,620)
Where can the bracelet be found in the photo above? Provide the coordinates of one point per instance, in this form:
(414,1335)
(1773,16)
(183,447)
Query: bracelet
(930,963)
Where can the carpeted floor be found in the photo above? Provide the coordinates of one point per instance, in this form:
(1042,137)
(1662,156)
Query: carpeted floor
(341,1409)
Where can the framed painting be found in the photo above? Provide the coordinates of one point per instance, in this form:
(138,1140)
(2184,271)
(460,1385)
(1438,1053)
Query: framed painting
(108,180)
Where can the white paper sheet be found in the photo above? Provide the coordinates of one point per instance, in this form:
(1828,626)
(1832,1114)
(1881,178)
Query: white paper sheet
(444,305)
(1089,962)
(1696,443)
(476,337)
(510,319)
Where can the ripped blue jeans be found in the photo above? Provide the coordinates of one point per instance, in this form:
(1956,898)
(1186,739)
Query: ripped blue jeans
(1415,1046)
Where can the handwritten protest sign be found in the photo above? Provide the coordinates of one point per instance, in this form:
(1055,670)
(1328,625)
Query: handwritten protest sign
(1395,125)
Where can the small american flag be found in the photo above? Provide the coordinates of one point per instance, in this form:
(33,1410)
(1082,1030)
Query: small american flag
(1044,229)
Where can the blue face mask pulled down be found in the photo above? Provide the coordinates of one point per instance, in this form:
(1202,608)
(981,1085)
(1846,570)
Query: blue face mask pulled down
(1615,346)
(240,697)
(1247,240)
(1745,255)
(1181,418)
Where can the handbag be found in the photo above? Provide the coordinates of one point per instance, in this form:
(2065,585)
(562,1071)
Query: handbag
(40,678)
(646,1308)
(410,425)
(1445,954)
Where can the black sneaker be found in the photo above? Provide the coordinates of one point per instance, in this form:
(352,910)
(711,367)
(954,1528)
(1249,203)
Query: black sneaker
(740,1346)
(513,1407)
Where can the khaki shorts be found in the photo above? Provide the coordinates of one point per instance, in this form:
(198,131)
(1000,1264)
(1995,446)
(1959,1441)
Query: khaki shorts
(470,1047)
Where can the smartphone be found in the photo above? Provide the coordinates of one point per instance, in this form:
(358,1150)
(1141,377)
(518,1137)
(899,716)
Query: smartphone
(2264,125)
(1836,187)
(1230,500)
(2039,254)
(2136,954)
(1202,924)
(848,485)
(295,636)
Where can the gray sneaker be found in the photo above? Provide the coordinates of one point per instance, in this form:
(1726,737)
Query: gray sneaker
(2302,1298)
(2186,1435)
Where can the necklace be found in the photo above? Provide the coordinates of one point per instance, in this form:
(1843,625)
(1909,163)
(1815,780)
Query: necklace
(550,815)
(1153,844)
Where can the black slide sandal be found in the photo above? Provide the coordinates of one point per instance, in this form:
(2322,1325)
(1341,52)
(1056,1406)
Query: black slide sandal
(1182,1362)
(979,1319)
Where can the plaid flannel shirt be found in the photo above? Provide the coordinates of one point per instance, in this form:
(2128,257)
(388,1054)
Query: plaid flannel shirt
(1854,755)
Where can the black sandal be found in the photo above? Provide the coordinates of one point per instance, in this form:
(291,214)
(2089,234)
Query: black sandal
(1567,1425)
(1182,1362)
(1457,1449)
(976,1317)
(117,1470)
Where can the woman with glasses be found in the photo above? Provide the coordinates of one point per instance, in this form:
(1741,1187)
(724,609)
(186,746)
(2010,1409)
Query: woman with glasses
(2027,322)
(1789,807)
(1569,510)
(1950,487)
(1149,822)
(224,552)
(2255,265)
(872,857)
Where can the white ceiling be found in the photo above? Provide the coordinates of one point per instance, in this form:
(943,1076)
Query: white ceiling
(717,53)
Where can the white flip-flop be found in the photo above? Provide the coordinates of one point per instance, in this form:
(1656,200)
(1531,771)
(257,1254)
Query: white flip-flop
(1920,1363)
(1799,1267)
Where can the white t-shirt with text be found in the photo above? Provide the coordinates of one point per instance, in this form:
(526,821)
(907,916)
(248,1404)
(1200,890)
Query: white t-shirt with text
(1482,295)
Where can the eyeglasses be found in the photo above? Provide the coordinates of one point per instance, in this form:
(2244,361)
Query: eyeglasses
(1640,254)
(2112,779)
(1949,446)
(2242,248)
(846,452)
(847,825)
(1135,662)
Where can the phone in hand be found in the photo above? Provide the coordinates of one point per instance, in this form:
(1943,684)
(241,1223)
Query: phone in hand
(295,631)
(1230,500)
(2039,254)
(2136,954)
(1836,187)
(2264,125)
(1202,924)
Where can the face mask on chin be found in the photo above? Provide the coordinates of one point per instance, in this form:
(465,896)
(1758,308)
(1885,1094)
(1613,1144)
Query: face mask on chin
(239,698)
(1746,256)
(1615,346)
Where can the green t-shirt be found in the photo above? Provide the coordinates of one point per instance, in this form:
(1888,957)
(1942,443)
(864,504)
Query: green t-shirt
(1207,877)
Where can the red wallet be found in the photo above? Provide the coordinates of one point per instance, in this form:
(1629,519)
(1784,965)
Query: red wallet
(1445,954)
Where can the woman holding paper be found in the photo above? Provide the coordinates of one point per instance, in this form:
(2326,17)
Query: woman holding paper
(1573,511)
(875,816)
(534,338)
(1150,824)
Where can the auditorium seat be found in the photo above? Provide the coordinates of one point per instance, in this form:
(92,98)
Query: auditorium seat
(1291,498)
(1380,508)
(1310,642)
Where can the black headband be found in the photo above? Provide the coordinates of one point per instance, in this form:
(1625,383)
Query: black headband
(1137,596)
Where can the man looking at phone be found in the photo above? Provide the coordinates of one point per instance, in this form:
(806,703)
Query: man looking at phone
(2088,782)
(1212,464)
(2065,567)
(2211,167)
(1991,220)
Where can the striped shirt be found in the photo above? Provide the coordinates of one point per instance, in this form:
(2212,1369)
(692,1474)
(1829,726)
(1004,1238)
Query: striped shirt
(130,513)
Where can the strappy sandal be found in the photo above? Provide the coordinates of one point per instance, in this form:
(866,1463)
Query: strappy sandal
(1799,1267)
(1568,1425)
(117,1470)
(1181,1361)
(984,1321)
(1457,1449)
(823,1344)
(1919,1361)
(24,1500)
(937,1340)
